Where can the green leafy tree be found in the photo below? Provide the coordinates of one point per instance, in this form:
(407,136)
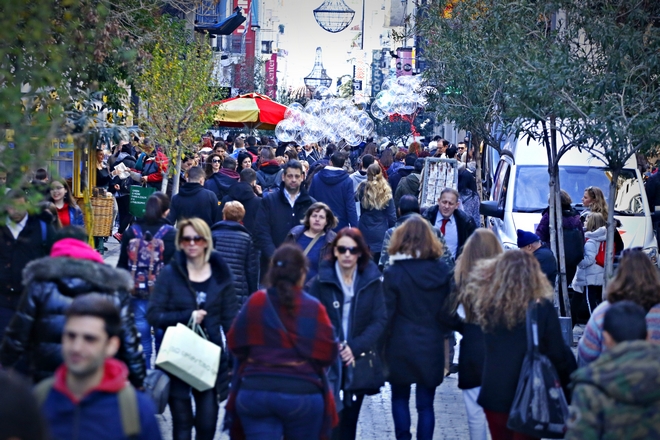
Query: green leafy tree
(177,87)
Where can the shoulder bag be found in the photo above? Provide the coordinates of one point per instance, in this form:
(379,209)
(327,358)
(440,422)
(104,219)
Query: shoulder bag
(539,407)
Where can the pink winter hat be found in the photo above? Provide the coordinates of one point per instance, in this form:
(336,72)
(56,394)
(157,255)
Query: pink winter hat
(72,248)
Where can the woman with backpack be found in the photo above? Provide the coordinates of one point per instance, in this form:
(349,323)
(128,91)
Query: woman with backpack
(131,257)
(196,285)
(588,280)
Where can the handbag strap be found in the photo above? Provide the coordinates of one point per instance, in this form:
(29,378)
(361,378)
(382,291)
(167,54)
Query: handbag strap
(532,327)
(312,243)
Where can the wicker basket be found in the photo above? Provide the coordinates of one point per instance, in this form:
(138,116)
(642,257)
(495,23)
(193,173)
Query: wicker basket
(102,211)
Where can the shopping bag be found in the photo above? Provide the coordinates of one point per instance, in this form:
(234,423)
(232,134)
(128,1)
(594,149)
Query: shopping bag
(539,407)
(138,199)
(187,354)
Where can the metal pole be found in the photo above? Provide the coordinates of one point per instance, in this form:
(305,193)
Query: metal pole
(362,30)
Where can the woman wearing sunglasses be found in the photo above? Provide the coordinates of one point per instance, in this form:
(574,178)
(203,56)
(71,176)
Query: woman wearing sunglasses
(213,164)
(196,284)
(349,286)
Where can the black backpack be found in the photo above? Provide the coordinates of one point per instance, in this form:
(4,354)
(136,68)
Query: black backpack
(573,246)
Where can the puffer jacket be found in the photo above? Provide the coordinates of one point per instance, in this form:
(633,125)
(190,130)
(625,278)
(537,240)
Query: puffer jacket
(617,396)
(51,285)
(234,243)
(588,272)
(174,299)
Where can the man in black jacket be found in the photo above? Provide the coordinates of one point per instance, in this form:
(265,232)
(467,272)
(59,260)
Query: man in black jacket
(244,192)
(23,238)
(454,224)
(531,243)
(194,201)
(402,172)
(282,210)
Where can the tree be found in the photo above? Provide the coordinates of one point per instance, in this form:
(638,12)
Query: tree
(177,86)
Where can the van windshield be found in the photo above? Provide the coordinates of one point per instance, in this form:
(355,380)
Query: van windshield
(532,188)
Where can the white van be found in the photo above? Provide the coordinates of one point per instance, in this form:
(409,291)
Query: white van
(520,193)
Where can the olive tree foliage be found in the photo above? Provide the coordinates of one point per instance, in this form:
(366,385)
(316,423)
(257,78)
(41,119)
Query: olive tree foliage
(177,86)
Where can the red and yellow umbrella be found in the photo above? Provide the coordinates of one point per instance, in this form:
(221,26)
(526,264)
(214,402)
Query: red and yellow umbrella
(251,110)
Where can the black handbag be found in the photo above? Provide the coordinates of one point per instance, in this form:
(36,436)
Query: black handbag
(539,407)
(157,386)
(366,376)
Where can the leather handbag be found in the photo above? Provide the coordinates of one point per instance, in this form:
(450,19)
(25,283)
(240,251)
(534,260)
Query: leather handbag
(157,386)
(539,407)
(366,375)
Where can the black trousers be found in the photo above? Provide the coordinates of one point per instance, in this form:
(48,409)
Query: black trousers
(348,419)
(125,218)
(204,420)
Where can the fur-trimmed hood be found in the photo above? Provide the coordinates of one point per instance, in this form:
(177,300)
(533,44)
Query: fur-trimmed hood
(100,277)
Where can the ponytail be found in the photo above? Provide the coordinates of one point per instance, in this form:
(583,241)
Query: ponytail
(287,266)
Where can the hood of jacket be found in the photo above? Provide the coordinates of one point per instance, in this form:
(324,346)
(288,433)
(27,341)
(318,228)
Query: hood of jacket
(332,177)
(411,182)
(403,218)
(358,177)
(229,173)
(242,191)
(229,225)
(628,373)
(190,188)
(77,275)
(115,375)
(599,234)
(270,167)
(428,279)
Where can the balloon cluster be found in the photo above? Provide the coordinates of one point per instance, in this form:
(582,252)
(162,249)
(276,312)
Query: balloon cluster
(324,120)
(400,96)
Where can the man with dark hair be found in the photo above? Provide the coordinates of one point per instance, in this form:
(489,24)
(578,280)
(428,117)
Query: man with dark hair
(252,147)
(617,396)
(187,162)
(244,192)
(409,185)
(455,225)
(224,179)
(333,186)
(531,243)
(23,238)
(89,396)
(360,176)
(239,146)
(402,172)
(409,206)
(193,200)
(281,210)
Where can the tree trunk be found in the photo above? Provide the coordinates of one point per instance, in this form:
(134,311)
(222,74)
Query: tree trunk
(611,225)
(177,171)
(163,186)
(552,202)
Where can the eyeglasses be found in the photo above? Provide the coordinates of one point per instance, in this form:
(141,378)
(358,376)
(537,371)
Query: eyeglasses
(192,240)
(216,161)
(353,250)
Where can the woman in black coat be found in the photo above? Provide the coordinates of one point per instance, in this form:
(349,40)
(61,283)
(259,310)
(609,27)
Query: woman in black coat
(51,284)
(349,286)
(377,213)
(509,283)
(196,284)
(235,245)
(416,286)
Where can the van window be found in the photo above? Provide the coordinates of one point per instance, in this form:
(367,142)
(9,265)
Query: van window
(532,188)
(501,184)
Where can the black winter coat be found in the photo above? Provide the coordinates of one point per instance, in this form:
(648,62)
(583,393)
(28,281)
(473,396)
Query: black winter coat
(220,183)
(194,201)
(416,293)
(174,299)
(234,243)
(465,225)
(505,351)
(51,285)
(395,178)
(242,192)
(152,228)
(375,222)
(276,217)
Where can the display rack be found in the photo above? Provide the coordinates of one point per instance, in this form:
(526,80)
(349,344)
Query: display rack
(438,174)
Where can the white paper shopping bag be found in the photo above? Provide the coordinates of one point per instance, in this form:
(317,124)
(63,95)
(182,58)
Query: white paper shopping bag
(189,356)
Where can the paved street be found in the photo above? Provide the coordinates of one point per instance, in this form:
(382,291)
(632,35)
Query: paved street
(375,417)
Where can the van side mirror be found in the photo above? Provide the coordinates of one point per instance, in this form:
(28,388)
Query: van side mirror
(490,209)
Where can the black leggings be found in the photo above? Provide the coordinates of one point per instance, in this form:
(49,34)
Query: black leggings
(348,420)
(204,420)
(125,217)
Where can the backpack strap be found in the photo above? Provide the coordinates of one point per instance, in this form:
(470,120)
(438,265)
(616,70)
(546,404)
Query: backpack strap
(129,411)
(44,231)
(137,231)
(162,231)
(42,390)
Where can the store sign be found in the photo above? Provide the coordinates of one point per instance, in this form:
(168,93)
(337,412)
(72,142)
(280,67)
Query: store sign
(271,77)
(377,76)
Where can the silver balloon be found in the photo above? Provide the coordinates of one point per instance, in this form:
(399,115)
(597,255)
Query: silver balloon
(376,111)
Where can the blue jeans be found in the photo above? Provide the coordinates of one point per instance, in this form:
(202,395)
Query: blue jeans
(401,411)
(143,327)
(269,415)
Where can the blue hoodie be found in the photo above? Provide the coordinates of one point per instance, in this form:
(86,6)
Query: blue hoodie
(334,187)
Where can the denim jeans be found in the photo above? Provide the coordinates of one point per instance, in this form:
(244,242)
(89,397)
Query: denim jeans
(143,327)
(401,411)
(475,415)
(269,415)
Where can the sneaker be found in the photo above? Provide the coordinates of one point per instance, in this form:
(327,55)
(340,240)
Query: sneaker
(117,236)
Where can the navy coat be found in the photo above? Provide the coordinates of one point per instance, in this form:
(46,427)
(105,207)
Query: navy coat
(335,188)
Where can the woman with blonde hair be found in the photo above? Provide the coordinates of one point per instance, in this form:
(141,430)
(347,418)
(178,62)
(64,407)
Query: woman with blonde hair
(636,280)
(196,284)
(377,213)
(417,285)
(509,284)
(482,244)
(588,280)
(594,201)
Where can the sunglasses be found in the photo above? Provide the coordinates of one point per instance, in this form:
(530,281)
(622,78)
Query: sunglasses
(216,161)
(353,250)
(192,240)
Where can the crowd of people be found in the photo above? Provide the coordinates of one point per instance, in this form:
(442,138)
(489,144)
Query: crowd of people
(321,278)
